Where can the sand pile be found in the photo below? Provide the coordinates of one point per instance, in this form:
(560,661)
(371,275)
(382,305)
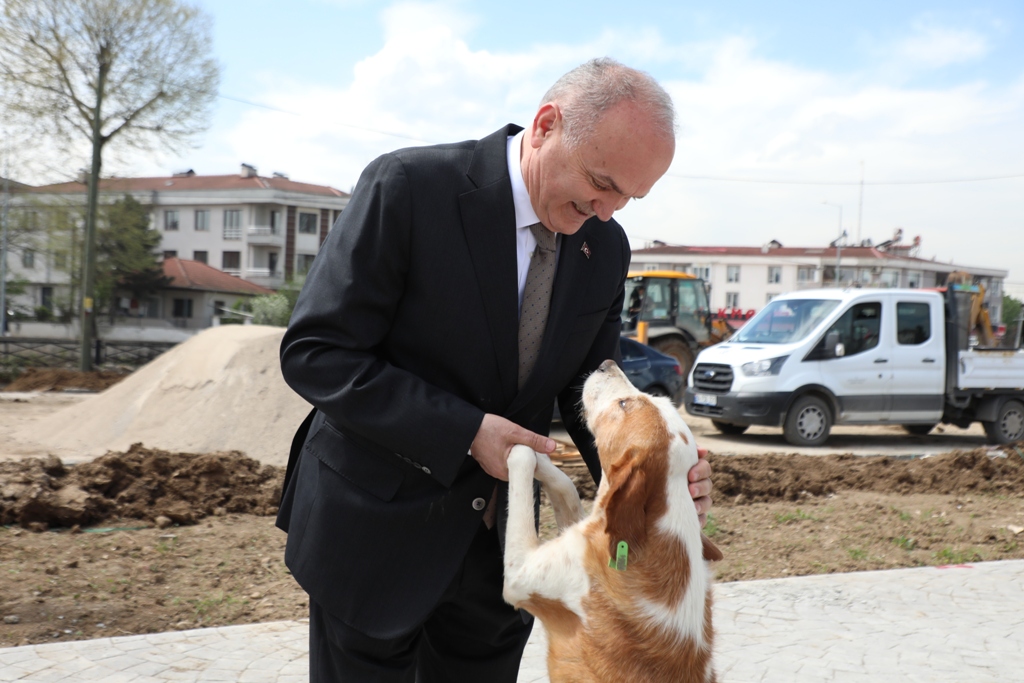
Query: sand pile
(59,379)
(222,390)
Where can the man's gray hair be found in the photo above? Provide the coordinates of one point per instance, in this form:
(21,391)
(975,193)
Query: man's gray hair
(591,89)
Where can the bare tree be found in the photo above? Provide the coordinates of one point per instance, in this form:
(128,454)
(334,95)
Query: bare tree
(138,72)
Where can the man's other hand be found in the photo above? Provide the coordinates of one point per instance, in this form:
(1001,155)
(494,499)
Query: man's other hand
(700,485)
(497,436)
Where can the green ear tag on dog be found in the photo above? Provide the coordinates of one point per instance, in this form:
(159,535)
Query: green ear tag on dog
(621,557)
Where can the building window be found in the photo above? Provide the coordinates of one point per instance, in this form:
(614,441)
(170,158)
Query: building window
(60,260)
(200,256)
(768,298)
(28,258)
(47,295)
(182,308)
(171,220)
(232,224)
(275,221)
(890,277)
(307,223)
(732,273)
(170,253)
(231,260)
(732,299)
(774,274)
(650,266)
(305,262)
(805,275)
(914,279)
(703,272)
(202,219)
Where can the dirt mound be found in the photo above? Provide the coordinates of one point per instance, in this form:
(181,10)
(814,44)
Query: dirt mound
(59,379)
(221,390)
(142,483)
(764,478)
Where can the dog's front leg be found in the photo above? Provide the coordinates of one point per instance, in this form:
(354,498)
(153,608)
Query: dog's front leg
(565,499)
(520,531)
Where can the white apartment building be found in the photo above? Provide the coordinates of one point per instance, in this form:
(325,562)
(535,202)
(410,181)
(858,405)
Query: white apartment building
(743,279)
(263,229)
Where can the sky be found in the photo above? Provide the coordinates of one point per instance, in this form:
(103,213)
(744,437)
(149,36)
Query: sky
(782,107)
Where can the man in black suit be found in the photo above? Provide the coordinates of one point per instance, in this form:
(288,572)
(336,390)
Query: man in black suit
(405,340)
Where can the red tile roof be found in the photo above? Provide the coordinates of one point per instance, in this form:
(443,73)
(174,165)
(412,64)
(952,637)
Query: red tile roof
(186,274)
(196,182)
(822,252)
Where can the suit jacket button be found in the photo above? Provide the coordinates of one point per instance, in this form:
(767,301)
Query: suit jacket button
(426,470)
(479,504)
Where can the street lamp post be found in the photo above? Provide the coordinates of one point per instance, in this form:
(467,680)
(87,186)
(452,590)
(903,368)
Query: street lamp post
(839,243)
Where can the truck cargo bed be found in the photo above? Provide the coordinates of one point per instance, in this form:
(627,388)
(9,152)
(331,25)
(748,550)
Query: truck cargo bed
(990,369)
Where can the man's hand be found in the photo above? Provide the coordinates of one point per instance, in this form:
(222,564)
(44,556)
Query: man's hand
(700,485)
(495,439)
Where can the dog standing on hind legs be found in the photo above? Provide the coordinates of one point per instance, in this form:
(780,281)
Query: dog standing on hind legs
(625,593)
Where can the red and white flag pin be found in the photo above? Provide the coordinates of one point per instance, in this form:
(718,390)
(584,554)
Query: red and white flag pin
(585,249)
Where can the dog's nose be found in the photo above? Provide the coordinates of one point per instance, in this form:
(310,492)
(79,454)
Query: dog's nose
(606,366)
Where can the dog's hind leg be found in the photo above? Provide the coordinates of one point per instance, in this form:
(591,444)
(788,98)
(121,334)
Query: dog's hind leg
(565,500)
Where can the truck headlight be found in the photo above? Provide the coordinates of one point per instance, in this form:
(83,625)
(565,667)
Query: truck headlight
(763,368)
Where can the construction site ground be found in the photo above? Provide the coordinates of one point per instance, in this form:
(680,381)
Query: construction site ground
(169,541)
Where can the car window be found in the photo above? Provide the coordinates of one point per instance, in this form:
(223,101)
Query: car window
(858,330)
(913,322)
(630,349)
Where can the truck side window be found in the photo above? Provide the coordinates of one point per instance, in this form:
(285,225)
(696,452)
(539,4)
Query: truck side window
(913,323)
(858,330)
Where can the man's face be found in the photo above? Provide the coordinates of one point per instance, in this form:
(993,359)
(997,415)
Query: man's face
(623,159)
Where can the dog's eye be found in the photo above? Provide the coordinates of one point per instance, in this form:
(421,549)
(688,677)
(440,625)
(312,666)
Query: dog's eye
(622,404)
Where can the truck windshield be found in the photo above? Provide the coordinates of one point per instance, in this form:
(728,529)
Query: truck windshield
(785,322)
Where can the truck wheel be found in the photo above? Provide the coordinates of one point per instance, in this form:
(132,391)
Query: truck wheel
(729,428)
(918,430)
(1008,425)
(808,422)
(678,349)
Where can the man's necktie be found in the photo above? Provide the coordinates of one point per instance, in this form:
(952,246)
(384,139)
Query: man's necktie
(533,316)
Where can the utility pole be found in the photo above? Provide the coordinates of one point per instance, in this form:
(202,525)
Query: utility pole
(87,317)
(860,203)
(3,240)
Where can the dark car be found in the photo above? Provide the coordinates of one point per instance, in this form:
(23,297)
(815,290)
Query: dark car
(650,371)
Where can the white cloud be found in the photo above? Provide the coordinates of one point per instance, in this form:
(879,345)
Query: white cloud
(938,46)
(744,116)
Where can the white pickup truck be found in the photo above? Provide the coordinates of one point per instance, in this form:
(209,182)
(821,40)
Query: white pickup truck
(816,358)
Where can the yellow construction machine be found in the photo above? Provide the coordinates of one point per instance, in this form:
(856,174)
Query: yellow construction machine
(669,311)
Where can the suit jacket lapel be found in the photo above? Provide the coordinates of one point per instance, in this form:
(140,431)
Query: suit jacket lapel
(488,220)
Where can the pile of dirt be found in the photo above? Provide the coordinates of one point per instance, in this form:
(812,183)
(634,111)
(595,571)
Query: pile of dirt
(221,390)
(763,478)
(143,484)
(59,379)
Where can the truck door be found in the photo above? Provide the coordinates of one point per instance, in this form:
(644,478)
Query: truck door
(861,377)
(917,360)
(692,309)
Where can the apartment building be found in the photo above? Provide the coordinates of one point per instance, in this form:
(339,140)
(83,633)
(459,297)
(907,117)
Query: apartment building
(743,279)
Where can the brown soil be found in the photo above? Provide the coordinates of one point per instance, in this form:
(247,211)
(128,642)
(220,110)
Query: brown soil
(219,558)
(59,379)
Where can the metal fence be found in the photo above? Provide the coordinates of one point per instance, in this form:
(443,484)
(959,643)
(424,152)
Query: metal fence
(55,353)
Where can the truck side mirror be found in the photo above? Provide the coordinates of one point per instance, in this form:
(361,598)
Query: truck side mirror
(833,347)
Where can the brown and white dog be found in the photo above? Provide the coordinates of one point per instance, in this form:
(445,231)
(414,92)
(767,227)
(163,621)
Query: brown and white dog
(634,612)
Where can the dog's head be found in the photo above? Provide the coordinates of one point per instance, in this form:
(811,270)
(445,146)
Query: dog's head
(642,442)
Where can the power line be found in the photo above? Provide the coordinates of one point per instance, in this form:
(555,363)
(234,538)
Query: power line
(941,181)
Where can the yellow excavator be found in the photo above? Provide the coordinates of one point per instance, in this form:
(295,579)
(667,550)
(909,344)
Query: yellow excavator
(979,322)
(669,311)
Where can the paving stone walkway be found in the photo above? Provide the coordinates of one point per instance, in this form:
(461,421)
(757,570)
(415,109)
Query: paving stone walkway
(941,625)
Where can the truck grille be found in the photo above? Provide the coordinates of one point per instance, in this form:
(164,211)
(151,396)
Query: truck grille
(713,378)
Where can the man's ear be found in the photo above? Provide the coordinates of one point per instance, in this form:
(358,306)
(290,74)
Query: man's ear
(548,116)
(626,507)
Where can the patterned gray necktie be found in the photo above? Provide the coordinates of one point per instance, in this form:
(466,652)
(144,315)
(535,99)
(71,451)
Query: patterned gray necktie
(533,316)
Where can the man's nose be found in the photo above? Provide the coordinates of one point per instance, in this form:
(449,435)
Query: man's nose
(604,207)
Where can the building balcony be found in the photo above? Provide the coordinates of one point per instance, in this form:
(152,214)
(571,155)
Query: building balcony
(264,234)
(265,277)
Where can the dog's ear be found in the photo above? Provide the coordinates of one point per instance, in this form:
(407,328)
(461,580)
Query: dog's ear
(711,551)
(626,505)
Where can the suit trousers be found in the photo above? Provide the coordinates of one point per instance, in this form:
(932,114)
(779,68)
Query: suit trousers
(472,636)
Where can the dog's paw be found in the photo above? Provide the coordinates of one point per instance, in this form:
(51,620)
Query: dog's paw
(522,460)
